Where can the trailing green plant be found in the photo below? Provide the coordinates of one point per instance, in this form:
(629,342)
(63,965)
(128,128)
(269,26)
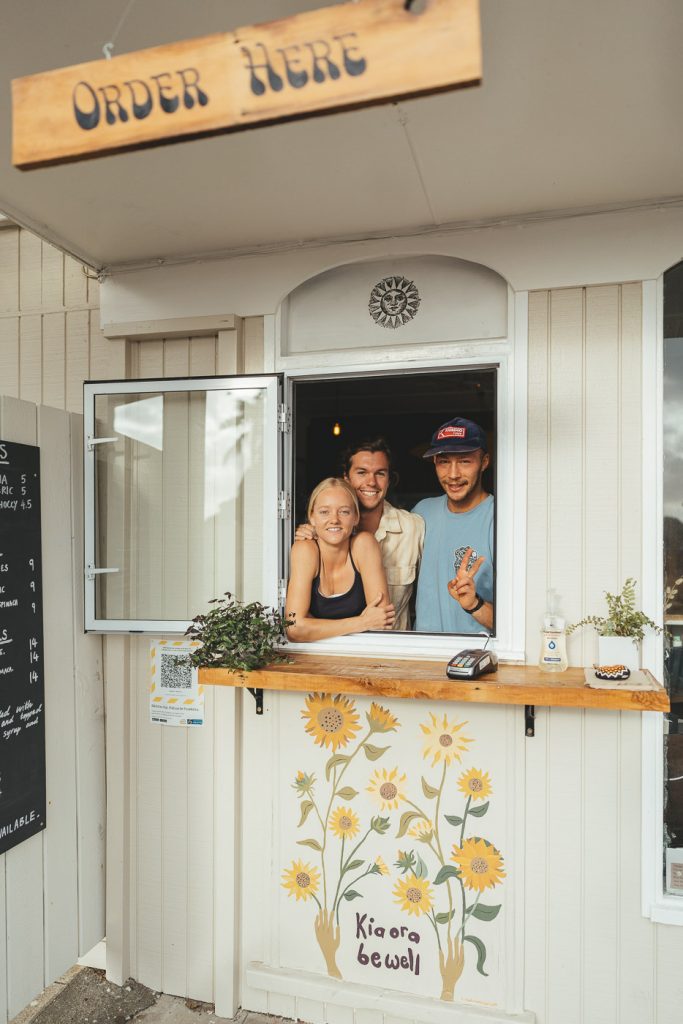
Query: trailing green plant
(237,635)
(622,619)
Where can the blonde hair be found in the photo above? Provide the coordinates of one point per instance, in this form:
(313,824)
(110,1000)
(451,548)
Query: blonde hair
(332,481)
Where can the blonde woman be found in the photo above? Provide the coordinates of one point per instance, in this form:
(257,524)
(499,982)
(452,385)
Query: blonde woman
(336,585)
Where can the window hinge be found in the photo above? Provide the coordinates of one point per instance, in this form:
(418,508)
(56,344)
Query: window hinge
(283,505)
(92,441)
(284,419)
(91,572)
(281,592)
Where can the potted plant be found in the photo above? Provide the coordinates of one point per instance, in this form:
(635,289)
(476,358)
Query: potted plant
(621,630)
(236,635)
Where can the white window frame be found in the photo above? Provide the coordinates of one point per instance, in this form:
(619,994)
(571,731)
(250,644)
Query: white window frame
(509,355)
(272,470)
(657,904)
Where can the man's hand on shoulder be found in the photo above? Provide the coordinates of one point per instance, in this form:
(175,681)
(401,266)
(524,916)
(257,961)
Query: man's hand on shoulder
(305,532)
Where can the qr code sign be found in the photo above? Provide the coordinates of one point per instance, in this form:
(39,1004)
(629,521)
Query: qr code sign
(176,671)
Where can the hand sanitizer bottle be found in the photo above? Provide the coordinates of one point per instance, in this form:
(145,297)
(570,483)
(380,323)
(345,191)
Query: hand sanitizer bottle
(553,641)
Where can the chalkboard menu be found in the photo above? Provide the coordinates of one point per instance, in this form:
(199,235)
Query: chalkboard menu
(22,706)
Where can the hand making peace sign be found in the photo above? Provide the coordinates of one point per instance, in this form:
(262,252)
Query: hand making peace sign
(462,588)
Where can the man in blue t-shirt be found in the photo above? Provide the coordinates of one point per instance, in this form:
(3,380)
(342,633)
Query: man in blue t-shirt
(455,585)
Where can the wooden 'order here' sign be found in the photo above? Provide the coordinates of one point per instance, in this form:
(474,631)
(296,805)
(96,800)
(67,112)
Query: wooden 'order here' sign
(350,55)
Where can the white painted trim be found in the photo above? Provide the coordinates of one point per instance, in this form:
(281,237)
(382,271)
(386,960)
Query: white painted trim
(510,356)
(302,985)
(226,851)
(656,904)
(176,327)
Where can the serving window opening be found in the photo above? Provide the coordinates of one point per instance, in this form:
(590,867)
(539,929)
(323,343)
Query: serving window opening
(404,410)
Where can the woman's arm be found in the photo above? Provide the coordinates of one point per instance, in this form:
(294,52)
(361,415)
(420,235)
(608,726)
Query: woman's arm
(304,564)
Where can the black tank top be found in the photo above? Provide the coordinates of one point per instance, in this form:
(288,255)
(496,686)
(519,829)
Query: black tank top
(342,606)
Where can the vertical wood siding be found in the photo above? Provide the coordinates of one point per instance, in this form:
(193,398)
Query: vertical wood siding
(52,885)
(50,340)
(590,955)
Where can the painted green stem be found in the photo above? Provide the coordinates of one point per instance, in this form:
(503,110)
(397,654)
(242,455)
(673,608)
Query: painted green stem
(352,882)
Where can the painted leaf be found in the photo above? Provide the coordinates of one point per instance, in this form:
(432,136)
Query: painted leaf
(351,894)
(406,819)
(447,871)
(445,917)
(373,753)
(481,952)
(421,870)
(354,864)
(479,812)
(313,843)
(485,913)
(306,808)
(428,790)
(347,793)
(333,762)
(453,819)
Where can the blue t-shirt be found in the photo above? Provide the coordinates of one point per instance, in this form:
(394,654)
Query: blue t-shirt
(446,537)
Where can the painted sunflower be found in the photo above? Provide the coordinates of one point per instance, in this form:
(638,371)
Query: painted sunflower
(421,829)
(380,867)
(332,721)
(381,720)
(414,894)
(475,784)
(301,880)
(344,823)
(444,741)
(387,788)
(303,783)
(479,863)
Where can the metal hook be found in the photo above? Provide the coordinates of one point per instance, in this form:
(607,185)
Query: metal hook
(107,50)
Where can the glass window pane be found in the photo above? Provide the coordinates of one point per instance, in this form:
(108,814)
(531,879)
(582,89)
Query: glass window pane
(673,573)
(179,501)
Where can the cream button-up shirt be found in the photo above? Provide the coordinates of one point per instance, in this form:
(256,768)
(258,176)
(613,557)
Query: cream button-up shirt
(401,538)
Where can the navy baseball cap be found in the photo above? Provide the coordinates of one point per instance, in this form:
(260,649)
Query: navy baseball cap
(458,435)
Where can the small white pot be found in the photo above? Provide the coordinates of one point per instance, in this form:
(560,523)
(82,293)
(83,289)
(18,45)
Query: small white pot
(618,650)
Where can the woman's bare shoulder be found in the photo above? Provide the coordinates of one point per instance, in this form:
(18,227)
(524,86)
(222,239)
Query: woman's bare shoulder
(363,544)
(304,555)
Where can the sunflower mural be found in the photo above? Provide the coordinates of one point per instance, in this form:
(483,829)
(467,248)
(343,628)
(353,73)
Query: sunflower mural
(442,880)
(334,723)
(452,901)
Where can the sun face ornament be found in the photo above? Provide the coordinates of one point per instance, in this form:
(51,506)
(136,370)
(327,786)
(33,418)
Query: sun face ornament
(394,301)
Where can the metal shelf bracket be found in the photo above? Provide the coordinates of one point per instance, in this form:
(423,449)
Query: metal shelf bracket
(258,697)
(529,720)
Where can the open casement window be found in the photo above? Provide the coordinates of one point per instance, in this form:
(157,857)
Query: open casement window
(182,480)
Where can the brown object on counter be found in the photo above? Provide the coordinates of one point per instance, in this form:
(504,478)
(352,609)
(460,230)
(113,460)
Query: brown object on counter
(426,680)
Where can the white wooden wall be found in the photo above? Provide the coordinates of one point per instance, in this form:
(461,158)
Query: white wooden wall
(52,885)
(590,955)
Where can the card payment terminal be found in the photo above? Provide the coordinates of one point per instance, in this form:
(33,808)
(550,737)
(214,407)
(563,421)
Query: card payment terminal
(471,663)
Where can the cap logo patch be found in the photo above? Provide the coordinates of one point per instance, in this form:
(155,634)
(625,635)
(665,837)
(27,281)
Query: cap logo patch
(451,432)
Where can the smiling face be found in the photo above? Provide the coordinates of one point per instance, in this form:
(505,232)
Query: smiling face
(369,476)
(460,476)
(333,515)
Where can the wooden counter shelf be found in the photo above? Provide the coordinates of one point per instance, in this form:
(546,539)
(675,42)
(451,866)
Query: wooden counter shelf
(426,680)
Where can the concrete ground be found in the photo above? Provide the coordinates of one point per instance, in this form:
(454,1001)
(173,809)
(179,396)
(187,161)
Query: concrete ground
(84,996)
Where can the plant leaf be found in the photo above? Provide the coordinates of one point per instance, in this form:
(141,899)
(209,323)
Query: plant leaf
(333,762)
(373,753)
(406,819)
(479,812)
(481,952)
(347,793)
(313,843)
(306,808)
(485,913)
(354,864)
(428,790)
(453,819)
(445,917)
(447,871)
(351,894)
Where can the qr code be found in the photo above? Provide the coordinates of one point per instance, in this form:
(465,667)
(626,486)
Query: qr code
(176,671)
